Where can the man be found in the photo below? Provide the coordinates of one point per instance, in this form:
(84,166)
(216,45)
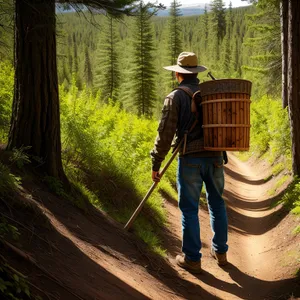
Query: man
(195,166)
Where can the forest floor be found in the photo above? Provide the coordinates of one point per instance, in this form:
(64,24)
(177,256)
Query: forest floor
(70,255)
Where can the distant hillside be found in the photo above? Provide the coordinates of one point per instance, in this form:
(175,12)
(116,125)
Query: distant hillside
(186,11)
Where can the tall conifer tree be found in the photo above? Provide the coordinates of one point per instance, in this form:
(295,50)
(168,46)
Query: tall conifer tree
(88,74)
(143,67)
(108,74)
(227,44)
(218,24)
(266,58)
(205,27)
(175,42)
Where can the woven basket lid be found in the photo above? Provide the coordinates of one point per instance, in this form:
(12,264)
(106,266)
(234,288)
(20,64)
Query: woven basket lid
(221,86)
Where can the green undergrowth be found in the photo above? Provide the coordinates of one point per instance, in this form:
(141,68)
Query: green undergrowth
(291,200)
(6,96)
(278,168)
(270,135)
(106,155)
(279,183)
(296,230)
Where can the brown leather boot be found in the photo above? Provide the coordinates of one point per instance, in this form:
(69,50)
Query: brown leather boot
(192,266)
(221,258)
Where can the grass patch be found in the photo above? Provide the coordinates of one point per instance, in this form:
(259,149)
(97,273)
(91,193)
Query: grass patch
(296,209)
(278,168)
(291,198)
(269,177)
(296,230)
(166,188)
(244,155)
(146,232)
(281,181)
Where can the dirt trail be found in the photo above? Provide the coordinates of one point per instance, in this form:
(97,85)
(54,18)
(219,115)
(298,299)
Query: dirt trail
(90,256)
(258,266)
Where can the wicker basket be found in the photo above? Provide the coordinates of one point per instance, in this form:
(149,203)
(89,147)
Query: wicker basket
(226,114)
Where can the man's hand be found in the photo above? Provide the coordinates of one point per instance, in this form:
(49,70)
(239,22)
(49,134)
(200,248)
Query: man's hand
(155,176)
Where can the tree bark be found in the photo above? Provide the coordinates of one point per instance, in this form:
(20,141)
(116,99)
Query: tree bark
(294,81)
(35,119)
(284,4)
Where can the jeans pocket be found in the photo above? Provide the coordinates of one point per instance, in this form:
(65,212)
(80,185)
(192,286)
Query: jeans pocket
(219,168)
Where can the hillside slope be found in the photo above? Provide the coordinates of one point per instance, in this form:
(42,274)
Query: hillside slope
(68,254)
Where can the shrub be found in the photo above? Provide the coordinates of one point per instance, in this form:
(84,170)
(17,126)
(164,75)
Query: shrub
(6,96)
(107,149)
(270,129)
(291,198)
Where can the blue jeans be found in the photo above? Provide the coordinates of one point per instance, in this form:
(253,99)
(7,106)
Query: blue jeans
(191,173)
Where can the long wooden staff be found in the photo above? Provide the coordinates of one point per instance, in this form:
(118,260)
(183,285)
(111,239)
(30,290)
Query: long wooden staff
(153,186)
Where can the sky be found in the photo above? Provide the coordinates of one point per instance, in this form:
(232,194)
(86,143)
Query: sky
(235,3)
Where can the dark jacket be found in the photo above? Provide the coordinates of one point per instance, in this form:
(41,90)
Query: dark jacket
(176,119)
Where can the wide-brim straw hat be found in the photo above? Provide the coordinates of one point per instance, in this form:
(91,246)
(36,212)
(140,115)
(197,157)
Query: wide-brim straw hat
(187,63)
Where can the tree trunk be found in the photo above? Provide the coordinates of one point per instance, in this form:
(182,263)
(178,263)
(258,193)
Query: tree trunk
(294,80)
(284,4)
(35,119)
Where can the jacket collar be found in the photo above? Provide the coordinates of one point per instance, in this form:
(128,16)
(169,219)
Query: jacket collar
(193,81)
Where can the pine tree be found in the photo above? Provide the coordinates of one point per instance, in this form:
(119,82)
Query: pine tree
(88,74)
(143,70)
(218,24)
(108,74)
(70,58)
(266,48)
(227,45)
(75,55)
(205,28)
(175,43)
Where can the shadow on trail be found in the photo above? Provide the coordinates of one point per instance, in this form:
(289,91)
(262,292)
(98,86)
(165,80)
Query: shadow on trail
(243,178)
(255,225)
(254,205)
(62,270)
(252,225)
(109,237)
(249,288)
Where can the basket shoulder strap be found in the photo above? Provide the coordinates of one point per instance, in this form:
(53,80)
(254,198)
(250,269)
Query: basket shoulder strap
(194,97)
(186,90)
(193,110)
